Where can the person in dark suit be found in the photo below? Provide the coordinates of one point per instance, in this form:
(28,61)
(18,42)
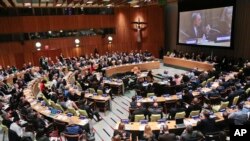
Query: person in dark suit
(191,135)
(140,110)
(133,102)
(207,125)
(155,109)
(196,30)
(165,135)
(195,105)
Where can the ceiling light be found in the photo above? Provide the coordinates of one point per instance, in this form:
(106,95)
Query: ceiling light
(136,6)
(28,4)
(38,44)
(61,31)
(109,5)
(89,2)
(110,38)
(49,32)
(58,5)
(77,41)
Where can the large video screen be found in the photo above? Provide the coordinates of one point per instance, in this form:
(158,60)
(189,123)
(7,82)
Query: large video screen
(208,27)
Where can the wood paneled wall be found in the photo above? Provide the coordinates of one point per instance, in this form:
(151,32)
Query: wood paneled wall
(123,40)
(241,35)
(46,23)
(152,35)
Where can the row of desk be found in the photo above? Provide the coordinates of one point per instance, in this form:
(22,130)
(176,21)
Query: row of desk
(149,65)
(189,64)
(30,94)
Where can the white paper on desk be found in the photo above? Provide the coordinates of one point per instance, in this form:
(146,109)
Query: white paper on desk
(150,100)
(142,127)
(168,98)
(46,111)
(33,103)
(161,124)
(190,122)
(127,127)
(83,122)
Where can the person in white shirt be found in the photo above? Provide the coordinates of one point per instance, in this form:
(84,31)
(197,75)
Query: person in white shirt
(16,127)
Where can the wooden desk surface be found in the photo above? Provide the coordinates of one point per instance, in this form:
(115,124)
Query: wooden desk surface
(164,99)
(187,63)
(137,126)
(128,67)
(44,110)
(97,97)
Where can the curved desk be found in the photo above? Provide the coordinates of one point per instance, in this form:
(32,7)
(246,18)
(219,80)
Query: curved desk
(128,67)
(137,126)
(189,64)
(30,95)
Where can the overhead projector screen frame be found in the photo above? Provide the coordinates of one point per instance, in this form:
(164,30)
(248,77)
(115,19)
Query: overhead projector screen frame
(231,46)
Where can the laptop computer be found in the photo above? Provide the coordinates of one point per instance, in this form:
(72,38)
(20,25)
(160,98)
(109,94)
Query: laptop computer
(180,123)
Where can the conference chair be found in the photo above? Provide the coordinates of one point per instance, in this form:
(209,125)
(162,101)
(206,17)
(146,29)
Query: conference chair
(83,112)
(150,94)
(139,117)
(195,113)
(99,92)
(235,100)
(247,91)
(73,111)
(203,84)
(46,100)
(59,107)
(210,79)
(180,115)
(222,106)
(92,90)
(155,117)
(53,104)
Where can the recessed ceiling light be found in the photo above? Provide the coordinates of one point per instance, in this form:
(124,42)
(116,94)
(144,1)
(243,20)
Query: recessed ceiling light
(28,4)
(136,5)
(89,2)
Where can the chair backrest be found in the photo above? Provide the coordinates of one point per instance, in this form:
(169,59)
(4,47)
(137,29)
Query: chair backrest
(5,128)
(248,91)
(180,115)
(224,105)
(194,113)
(235,100)
(92,90)
(71,110)
(46,100)
(83,113)
(59,107)
(203,83)
(53,104)
(150,94)
(155,117)
(139,117)
(75,137)
(99,92)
